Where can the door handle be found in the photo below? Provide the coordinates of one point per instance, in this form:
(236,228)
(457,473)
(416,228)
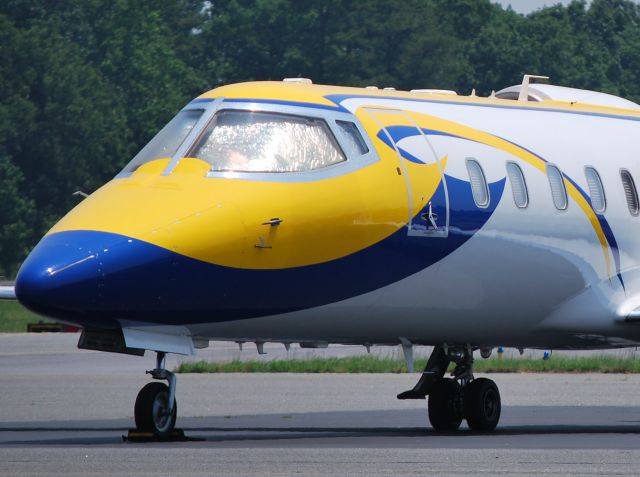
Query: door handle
(273,222)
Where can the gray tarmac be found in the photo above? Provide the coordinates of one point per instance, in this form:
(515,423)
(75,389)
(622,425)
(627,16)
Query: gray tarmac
(64,411)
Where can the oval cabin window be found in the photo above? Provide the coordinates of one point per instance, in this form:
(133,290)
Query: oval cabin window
(630,192)
(518,185)
(596,191)
(479,187)
(558,191)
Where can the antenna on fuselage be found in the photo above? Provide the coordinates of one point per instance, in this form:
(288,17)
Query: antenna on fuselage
(524,90)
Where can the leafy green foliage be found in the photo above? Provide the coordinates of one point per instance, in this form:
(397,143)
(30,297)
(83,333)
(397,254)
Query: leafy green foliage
(84,84)
(16,218)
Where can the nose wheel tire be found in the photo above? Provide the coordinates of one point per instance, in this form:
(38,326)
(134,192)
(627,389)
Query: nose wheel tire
(482,404)
(445,405)
(152,412)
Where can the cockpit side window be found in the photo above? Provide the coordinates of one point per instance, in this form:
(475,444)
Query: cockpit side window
(168,140)
(352,136)
(248,141)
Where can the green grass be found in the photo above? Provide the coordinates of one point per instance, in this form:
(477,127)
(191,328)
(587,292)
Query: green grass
(14,317)
(355,364)
(561,364)
(372,364)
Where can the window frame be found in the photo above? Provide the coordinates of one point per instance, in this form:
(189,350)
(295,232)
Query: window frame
(329,115)
(361,142)
(285,117)
(600,186)
(634,189)
(524,184)
(472,160)
(564,188)
(202,120)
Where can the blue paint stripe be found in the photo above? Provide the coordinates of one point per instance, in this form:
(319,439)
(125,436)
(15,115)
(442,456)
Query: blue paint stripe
(287,103)
(604,224)
(135,280)
(400,132)
(202,100)
(410,157)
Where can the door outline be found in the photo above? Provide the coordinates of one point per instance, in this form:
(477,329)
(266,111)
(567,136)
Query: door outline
(443,230)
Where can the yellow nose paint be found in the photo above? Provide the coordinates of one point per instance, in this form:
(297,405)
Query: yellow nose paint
(220,220)
(225,221)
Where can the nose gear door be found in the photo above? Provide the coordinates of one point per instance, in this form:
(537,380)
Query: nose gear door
(423,171)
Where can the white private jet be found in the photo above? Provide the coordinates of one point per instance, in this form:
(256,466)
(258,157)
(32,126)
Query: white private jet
(298,213)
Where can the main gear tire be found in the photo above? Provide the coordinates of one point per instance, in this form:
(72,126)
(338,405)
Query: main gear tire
(445,405)
(482,404)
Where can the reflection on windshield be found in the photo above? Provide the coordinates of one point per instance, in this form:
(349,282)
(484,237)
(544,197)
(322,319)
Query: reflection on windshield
(168,140)
(245,141)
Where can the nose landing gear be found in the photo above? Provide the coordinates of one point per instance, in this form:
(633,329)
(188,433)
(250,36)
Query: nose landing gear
(152,411)
(156,407)
(463,397)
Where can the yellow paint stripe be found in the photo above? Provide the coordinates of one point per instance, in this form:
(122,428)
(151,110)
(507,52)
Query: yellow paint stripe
(466,132)
(317,93)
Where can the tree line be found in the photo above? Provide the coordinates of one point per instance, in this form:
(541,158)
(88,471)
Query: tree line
(84,84)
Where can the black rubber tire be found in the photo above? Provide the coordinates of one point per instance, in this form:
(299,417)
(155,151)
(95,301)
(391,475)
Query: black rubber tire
(482,404)
(445,405)
(151,401)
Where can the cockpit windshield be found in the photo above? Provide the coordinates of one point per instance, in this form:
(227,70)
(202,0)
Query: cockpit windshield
(168,140)
(246,141)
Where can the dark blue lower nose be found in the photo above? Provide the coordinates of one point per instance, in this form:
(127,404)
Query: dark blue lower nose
(66,275)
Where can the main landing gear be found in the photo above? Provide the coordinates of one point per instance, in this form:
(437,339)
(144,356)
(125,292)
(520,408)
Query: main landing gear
(156,408)
(462,397)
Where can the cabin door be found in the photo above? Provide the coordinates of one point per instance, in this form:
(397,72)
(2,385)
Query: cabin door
(423,171)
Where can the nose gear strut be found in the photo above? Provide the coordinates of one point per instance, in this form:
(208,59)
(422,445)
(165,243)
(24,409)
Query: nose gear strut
(156,407)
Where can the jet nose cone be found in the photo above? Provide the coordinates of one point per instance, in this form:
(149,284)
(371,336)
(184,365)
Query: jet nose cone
(93,278)
(63,277)
(60,277)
